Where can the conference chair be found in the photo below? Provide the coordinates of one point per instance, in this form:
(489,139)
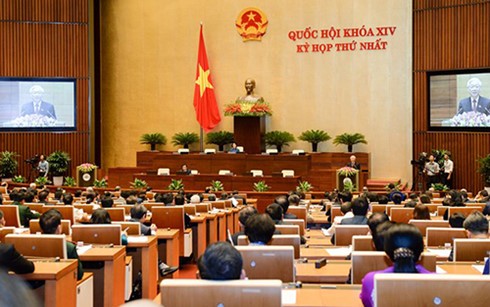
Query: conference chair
(199,292)
(423,224)
(300,222)
(389,207)
(430,290)
(203,207)
(365,262)
(378,208)
(281,240)
(149,205)
(11,215)
(67,212)
(257,173)
(299,211)
(344,233)
(97,234)
(401,215)
(173,218)
(127,208)
(35,227)
(225,172)
(288,229)
(464,210)
(334,212)
(432,207)
(5,231)
(218,204)
(287,173)
(190,210)
(32,245)
(150,195)
(35,206)
(268,262)
(471,249)
(209,151)
(441,236)
(89,209)
(132,228)
(363,243)
(116,214)
(163,171)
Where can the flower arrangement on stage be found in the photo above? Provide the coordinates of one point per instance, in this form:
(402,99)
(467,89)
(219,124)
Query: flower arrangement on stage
(348,171)
(246,108)
(32,120)
(86,167)
(470,119)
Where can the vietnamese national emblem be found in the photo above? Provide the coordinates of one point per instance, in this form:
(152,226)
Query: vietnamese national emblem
(251,24)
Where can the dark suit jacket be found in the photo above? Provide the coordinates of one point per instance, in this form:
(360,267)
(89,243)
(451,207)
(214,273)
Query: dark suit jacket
(356,165)
(13,261)
(355,220)
(71,253)
(483,105)
(46,109)
(290,216)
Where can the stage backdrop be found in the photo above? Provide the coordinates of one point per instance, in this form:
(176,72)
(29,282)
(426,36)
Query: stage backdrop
(356,79)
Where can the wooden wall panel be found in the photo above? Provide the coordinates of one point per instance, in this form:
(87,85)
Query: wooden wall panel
(47,38)
(450,35)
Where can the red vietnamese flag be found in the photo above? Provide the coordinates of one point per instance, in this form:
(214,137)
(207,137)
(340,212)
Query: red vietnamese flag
(207,113)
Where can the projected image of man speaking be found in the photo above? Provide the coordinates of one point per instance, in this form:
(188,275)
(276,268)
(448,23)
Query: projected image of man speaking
(37,105)
(474,103)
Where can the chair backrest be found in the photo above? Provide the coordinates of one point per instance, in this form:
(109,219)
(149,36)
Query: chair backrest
(183,151)
(378,208)
(271,151)
(198,292)
(67,212)
(11,215)
(365,262)
(268,262)
(127,208)
(298,152)
(334,212)
(257,173)
(389,207)
(203,207)
(441,236)
(209,151)
(344,233)
(38,207)
(35,227)
(132,228)
(97,234)
(281,240)
(288,229)
(163,172)
(89,209)
(150,195)
(299,211)
(168,217)
(300,222)
(149,205)
(401,215)
(441,210)
(38,245)
(190,209)
(224,172)
(430,290)
(5,231)
(116,214)
(218,204)
(464,210)
(228,203)
(432,207)
(362,243)
(287,173)
(423,224)
(471,249)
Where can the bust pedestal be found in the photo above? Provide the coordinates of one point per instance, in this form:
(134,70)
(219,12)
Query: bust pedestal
(249,132)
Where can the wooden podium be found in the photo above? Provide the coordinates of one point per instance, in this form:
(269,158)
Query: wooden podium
(249,132)
(85,179)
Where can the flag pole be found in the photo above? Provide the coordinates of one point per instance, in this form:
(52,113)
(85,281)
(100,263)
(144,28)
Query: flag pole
(201,142)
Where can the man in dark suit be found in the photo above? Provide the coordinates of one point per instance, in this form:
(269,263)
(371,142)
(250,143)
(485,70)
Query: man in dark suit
(353,163)
(50,222)
(37,105)
(360,209)
(474,103)
(243,216)
(11,260)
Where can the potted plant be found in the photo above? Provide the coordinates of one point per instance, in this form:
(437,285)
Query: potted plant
(304,186)
(279,139)
(153,139)
(349,140)
(42,181)
(220,138)
(484,170)
(70,182)
(216,186)
(58,165)
(102,183)
(439,187)
(314,137)
(176,185)
(185,139)
(8,165)
(19,179)
(261,186)
(138,184)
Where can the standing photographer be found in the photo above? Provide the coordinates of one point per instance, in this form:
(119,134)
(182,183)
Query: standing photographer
(43,167)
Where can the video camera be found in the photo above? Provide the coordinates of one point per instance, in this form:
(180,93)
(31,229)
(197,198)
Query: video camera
(33,160)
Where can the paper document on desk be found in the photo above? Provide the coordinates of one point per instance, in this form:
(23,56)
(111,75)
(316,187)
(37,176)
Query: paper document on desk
(288,297)
(478,267)
(440,270)
(137,239)
(325,232)
(83,249)
(440,252)
(339,251)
